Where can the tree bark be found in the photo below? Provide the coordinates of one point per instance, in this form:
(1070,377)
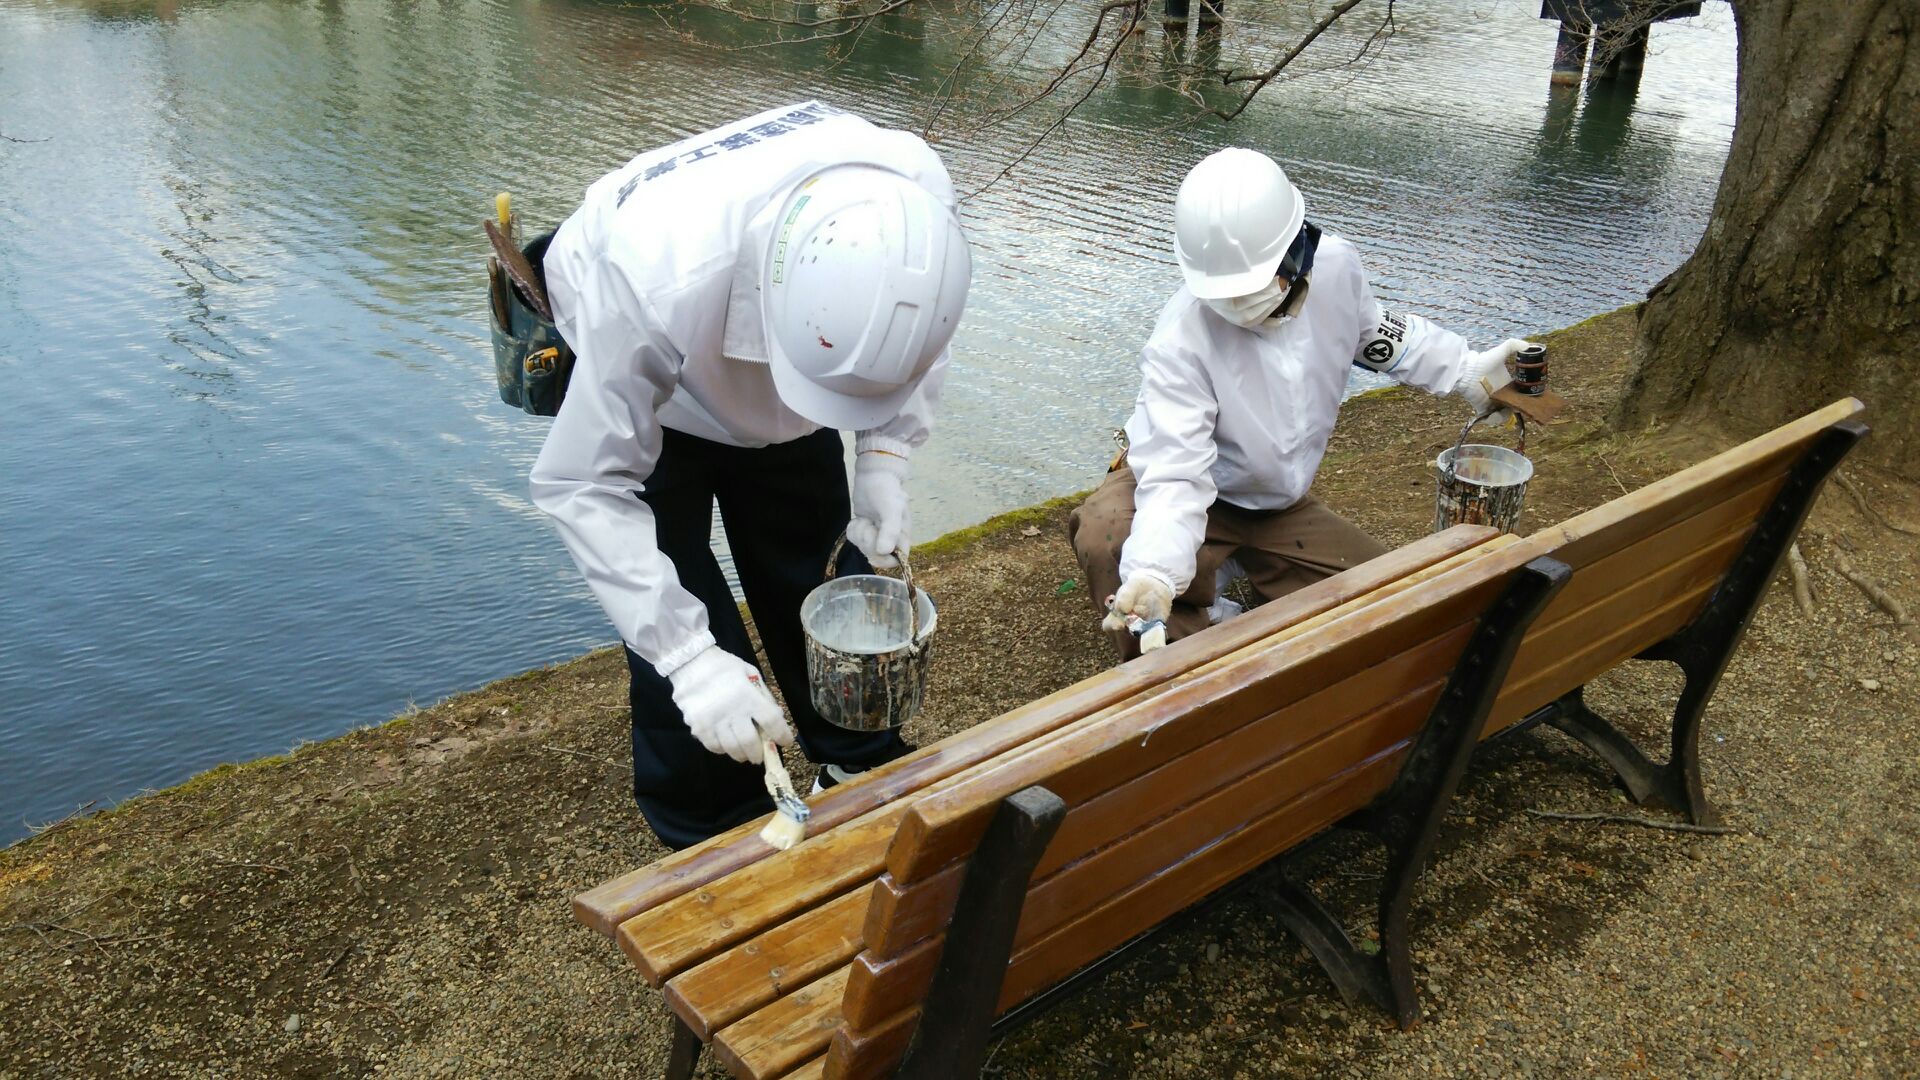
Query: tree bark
(1804,287)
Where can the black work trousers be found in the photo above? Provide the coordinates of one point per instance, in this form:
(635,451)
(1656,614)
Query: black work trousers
(783,506)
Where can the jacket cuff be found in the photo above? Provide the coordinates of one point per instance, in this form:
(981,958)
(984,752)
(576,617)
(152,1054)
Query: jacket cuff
(677,657)
(886,444)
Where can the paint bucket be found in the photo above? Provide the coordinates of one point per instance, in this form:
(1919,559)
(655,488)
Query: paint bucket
(867,647)
(1481,484)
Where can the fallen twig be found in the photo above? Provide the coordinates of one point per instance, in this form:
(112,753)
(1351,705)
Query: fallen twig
(222,859)
(11,139)
(1860,500)
(609,762)
(1628,819)
(1802,587)
(1880,597)
(338,960)
(74,813)
(1615,475)
(381,1005)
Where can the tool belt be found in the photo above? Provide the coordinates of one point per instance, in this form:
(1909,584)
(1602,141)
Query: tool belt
(530,359)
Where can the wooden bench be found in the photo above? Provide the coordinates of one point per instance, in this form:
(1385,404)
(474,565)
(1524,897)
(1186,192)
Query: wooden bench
(1040,842)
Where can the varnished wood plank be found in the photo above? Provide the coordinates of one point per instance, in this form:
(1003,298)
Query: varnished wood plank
(1316,735)
(668,938)
(1609,646)
(877,987)
(812,1070)
(607,906)
(1128,913)
(871,1054)
(790,955)
(911,912)
(785,1034)
(1609,574)
(1582,539)
(683,931)
(945,823)
(1084,885)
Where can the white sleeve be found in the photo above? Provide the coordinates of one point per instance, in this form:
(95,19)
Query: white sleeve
(909,429)
(602,449)
(1406,348)
(1171,451)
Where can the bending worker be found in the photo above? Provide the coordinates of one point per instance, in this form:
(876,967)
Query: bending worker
(735,301)
(1240,385)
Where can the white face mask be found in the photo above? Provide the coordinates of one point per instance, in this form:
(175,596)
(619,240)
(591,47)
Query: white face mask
(1254,308)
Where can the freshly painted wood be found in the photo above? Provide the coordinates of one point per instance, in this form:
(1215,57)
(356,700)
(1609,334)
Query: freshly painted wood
(790,955)
(607,906)
(945,823)
(785,1034)
(870,1054)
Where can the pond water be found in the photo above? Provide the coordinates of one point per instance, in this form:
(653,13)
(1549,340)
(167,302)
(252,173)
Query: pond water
(255,483)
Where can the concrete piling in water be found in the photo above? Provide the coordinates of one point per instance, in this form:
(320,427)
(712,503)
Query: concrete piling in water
(1570,53)
(1174,19)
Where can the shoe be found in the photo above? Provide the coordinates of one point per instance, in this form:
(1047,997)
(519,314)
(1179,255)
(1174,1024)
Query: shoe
(832,776)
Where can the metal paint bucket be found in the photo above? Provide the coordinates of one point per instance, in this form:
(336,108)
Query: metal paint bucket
(1481,484)
(867,648)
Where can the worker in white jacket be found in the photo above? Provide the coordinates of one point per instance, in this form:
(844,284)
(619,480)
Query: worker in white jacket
(1240,385)
(734,301)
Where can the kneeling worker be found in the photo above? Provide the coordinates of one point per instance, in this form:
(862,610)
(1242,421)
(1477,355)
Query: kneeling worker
(734,301)
(1241,382)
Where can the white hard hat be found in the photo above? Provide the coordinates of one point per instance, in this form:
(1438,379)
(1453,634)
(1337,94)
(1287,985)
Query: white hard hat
(1232,222)
(865,277)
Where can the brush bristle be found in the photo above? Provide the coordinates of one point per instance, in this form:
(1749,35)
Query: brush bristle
(783,832)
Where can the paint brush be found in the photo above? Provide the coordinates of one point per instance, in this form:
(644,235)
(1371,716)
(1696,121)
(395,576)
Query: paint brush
(789,824)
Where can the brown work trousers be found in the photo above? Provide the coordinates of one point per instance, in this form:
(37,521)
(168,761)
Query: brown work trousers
(1281,551)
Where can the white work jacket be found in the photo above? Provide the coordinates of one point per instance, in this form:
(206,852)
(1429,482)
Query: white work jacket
(1244,415)
(655,284)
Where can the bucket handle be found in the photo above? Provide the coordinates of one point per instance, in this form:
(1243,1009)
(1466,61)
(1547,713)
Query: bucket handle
(906,574)
(1520,448)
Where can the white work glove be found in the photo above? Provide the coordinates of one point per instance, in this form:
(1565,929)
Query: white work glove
(879,525)
(726,705)
(1485,373)
(1147,597)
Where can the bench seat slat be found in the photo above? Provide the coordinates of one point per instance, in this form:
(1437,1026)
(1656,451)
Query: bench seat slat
(608,906)
(785,1034)
(794,953)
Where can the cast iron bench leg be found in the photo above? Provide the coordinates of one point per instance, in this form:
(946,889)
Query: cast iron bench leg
(956,1020)
(1703,648)
(1407,817)
(685,1055)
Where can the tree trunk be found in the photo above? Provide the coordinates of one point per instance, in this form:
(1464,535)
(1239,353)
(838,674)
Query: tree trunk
(1806,285)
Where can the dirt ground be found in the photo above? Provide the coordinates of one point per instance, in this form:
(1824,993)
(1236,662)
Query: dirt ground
(395,901)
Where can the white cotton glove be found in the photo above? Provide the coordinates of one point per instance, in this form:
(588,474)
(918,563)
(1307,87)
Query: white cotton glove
(1147,597)
(1485,373)
(726,705)
(879,525)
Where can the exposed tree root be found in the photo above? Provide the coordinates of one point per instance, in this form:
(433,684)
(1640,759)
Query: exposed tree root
(1880,597)
(1802,587)
(1628,819)
(1873,515)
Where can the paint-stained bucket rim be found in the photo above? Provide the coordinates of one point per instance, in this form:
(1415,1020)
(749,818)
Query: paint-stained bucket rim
(1483,452)
(864,584)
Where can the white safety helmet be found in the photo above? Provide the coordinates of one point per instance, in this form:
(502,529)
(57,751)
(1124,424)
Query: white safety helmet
(864,280)
(1233,220)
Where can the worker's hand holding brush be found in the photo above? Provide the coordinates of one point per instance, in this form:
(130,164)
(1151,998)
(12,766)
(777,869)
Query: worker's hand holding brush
(1141,607)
